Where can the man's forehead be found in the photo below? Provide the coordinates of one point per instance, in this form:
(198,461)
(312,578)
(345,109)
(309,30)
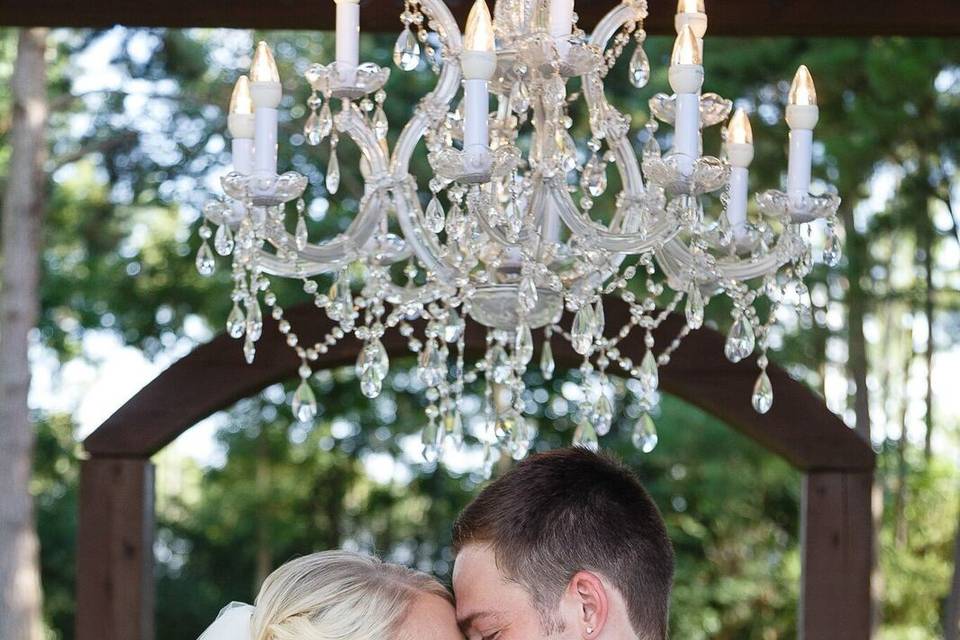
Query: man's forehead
(478,586)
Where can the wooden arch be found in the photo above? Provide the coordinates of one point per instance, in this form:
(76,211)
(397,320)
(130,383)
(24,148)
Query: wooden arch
(115,588)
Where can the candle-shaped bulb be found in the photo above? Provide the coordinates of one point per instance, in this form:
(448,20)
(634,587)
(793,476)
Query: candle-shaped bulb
(686,50)
(802,91)
(479,35)
(690,6)
(241,103)
(739,130)
(264,67)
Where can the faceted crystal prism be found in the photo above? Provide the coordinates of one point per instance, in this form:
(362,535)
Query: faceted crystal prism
(695,308)
(645,434)
(639,68)
(236,322)
(304,403)
(205,262)
(602,415)
(762,393)
(406,52)
(740,340)
(583,330)
(547,365)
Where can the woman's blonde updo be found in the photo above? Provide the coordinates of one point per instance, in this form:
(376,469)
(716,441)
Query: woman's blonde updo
(338,595)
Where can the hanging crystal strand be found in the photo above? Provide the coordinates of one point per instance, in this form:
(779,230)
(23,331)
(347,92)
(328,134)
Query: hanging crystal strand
(205,261)
(333,167)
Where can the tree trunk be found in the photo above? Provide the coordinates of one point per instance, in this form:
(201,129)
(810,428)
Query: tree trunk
(951,623)
(264,555)
(857,311)
(929,311)
(23,201)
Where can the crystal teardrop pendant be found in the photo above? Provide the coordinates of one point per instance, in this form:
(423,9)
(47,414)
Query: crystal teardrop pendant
(602,415)
(453,327)
(527,295)
(432,440)
(324,122)
(205,263)
(694,308)
(431,365)
(833,250)
(639,68)
(223,240)
(300,236)
(524,345)
(249,350)
(406,52)
(645,434)
(311,129)
(370,384)
(649,375)
(547,365)
(434,215)
(502,367)
(599,319)
(236,322)
(586,436)
(454,425)
(333,173)
(304,403)
(380,123)
(583,330)
(741,339)
(762,393)
(254,325)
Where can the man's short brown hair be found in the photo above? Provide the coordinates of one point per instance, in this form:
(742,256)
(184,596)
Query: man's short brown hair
(572,510)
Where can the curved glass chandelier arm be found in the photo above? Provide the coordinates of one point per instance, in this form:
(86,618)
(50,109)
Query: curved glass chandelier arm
(626,11)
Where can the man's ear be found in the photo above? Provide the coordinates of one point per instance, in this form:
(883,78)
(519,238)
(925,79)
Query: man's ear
(590,595)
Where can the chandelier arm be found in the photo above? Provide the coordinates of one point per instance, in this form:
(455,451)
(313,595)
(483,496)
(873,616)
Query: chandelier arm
(626,11)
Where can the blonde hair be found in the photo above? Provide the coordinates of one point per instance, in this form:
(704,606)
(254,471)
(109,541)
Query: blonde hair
(338,595)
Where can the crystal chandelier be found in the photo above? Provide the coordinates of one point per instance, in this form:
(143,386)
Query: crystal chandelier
(505,231)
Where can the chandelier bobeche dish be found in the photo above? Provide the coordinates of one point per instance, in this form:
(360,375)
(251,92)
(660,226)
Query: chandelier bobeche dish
(505,230)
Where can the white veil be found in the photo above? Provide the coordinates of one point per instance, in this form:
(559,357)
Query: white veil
(235,622)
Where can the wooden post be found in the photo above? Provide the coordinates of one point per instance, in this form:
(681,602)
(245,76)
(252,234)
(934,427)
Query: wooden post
(837,534)
(115,586)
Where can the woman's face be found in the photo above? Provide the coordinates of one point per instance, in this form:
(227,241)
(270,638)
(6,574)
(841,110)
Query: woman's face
(430,618)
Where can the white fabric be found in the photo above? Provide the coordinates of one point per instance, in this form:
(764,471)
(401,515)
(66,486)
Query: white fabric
(235,622)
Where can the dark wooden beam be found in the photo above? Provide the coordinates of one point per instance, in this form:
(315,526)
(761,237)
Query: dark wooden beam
(799,427)
(115,583)
(837,547)
(727,17)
